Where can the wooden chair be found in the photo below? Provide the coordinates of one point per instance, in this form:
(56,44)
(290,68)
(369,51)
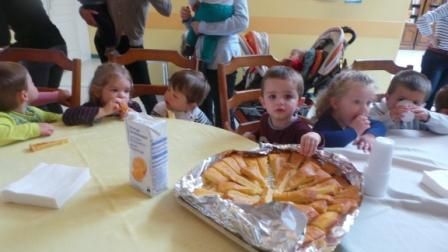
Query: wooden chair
(169,56)
(384,65)
(227,105)
(49,56)
(388,66)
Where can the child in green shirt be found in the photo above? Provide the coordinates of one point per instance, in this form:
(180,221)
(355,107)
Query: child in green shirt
(18,120)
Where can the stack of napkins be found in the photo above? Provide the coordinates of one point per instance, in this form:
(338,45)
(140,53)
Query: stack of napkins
(47,185)
(437,181)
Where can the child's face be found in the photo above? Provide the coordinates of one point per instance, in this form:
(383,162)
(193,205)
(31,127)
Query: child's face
(280,99)
(402,93)
(32,91)
(354,103)
(118,89)
(177,101)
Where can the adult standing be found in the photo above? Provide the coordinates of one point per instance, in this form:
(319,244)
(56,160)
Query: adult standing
(33,29)
(227,47)
(435,59)
(129,18)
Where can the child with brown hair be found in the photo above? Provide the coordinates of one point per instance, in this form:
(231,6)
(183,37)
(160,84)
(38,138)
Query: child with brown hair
(18,120)
(109,95)
(186,91)
(442,101)
(342,111)
(281,89)
(403,106)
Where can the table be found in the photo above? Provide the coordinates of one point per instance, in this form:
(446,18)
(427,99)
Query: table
(107,214)
(411,217)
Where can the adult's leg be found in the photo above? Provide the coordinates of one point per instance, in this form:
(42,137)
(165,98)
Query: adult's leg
(211,105)
(433,67)
(140,75)
(100,47)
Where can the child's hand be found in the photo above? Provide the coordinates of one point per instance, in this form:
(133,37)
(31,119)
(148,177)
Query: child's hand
(420,113)
(360,124)
(365,142)
(185,13)
(63,96)
(109,108)
(45,129)
(309,143)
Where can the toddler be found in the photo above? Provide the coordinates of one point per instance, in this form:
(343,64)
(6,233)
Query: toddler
(109,95)
(18,120)
(186,91)
(281,89)
(403,106)
(442,101)
(207,11)
(342,111)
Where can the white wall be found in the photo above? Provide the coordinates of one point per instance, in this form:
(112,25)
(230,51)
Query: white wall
(64,14)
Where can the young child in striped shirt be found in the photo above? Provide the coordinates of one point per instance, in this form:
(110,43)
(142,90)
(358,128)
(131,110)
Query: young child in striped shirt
(186,91)
(110,88)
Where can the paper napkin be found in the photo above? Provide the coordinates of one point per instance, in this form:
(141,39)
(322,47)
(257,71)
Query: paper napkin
(47,185)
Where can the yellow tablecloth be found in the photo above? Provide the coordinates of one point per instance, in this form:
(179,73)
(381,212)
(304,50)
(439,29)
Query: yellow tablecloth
(107,214)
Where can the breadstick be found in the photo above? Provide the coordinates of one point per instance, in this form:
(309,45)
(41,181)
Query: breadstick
(170,114)
(44,145)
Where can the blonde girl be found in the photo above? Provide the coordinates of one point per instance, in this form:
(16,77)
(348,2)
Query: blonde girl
(109,95)
(342,109)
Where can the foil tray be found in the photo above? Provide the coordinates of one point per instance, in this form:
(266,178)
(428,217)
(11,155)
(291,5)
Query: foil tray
(273,227)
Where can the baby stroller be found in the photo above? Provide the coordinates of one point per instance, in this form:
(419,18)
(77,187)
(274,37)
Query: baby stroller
(326,58)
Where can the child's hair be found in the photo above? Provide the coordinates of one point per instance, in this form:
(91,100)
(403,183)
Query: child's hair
(192,84)
(103,75)
(339,86)
(441,101)
(13,79)
(284,73)
(411,80)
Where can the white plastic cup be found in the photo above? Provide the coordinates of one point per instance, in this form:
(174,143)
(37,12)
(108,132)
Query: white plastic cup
(380,158)
(375,185)
(408,115)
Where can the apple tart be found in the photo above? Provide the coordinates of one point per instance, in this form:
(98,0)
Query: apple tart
(317,188)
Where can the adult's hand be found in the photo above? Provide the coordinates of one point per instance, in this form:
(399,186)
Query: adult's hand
(87,15)
(185,13)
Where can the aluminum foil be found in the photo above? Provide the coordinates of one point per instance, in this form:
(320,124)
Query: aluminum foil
(275,226)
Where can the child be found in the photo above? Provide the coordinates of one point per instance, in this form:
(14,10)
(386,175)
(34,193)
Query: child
(186,91)
(281,89)
(207,11)
(103,21)
(18,120)
(342,109)
(109,89)
(442,101)
(403,105)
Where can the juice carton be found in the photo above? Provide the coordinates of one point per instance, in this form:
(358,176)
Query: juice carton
(148,145)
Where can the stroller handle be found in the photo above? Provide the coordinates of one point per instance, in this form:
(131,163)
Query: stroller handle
(348,30)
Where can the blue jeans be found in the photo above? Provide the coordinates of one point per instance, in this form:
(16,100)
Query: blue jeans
(435,67)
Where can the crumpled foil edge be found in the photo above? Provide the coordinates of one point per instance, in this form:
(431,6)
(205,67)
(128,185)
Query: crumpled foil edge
(263,227)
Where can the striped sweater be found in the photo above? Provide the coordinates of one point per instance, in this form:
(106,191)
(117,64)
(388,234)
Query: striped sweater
(438,16)
(86,113)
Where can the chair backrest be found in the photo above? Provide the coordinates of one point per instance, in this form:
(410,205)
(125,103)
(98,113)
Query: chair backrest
(170,56)
(49,56)
(240,97)
(385,65)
